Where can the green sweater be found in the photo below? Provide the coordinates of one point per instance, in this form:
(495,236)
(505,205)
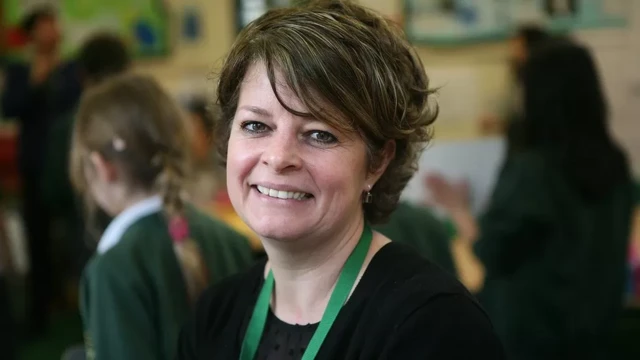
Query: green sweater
(417,227)
(555,265)
(133,297)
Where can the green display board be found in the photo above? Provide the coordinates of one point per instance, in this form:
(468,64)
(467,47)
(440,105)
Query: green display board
(456,22)
(144,24)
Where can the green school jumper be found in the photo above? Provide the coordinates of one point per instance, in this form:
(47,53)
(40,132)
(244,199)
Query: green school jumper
(133,297)
(555,265)
(417,227)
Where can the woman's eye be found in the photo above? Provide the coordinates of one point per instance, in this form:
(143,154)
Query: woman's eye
(323,137)
(253,127)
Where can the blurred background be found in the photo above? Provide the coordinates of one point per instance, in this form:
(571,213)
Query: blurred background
(467,48)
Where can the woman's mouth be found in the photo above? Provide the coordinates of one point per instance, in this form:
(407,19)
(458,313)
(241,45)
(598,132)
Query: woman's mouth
(281,194)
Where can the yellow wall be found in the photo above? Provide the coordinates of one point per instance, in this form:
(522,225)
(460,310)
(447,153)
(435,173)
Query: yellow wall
(486,61)
(197,61)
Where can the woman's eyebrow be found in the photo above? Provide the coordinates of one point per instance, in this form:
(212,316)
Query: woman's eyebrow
(256,110)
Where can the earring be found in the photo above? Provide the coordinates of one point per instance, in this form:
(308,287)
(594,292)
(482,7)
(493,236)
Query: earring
(368,197)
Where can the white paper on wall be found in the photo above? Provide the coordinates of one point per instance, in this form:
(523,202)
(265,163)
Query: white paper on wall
(475,161)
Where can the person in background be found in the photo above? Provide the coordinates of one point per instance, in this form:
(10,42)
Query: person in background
(525,40)
(325,111)
(634,251)
(8,325)
(552,245)
(416,226)
(207,188)
(35,94)
(131,157)
(206,179)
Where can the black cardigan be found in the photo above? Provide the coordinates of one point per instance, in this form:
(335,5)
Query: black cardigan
(403,308)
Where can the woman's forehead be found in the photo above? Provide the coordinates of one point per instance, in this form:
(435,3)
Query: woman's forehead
(256,86)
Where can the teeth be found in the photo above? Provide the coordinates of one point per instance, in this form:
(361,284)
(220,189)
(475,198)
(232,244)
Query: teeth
(282,194)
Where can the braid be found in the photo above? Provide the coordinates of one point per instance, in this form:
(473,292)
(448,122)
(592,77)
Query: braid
(170,183)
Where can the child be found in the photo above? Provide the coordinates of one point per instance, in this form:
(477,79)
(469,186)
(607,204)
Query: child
(130,156)
(207,177)
(208,186)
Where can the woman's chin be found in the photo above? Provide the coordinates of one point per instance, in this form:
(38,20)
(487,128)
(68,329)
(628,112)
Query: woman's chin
(281,234)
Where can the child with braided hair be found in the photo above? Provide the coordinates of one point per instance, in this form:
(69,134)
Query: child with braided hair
(130,157)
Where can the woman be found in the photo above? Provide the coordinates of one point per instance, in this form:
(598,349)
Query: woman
(324,108)
(553,240)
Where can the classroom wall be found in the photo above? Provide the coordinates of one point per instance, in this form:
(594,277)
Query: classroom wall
(193,63)
(473,80)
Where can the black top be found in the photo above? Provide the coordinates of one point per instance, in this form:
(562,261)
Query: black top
(403,308)
(283,341)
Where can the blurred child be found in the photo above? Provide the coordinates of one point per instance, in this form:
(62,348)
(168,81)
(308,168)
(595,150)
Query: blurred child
(207,187)
(207,177)
(130,156)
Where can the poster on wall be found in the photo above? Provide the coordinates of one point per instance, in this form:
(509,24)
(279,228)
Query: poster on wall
(144,24)
(476,162)
(455,22)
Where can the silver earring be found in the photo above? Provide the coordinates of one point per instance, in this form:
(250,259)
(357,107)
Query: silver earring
(368,197)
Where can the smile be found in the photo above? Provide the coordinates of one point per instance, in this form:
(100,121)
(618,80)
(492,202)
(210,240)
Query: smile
(285,195)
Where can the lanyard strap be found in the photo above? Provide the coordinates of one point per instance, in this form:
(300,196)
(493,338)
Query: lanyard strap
(339,296)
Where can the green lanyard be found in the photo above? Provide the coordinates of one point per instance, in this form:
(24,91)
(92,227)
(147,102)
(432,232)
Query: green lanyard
(339,296)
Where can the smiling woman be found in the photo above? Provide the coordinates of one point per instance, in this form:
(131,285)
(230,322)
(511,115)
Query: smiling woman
(324,113)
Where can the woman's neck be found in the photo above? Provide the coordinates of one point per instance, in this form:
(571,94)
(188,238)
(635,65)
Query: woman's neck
(305,276)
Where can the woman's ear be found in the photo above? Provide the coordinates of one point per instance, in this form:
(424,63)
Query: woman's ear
(386,155)
(104,170)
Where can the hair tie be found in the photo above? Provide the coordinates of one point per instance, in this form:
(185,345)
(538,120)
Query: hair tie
(178,229)
(118,144)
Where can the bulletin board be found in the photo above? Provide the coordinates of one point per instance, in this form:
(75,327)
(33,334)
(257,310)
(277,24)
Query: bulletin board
(456,22)
(144,24)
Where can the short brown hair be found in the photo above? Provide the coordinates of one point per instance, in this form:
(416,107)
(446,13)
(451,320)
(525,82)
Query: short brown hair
(347,56)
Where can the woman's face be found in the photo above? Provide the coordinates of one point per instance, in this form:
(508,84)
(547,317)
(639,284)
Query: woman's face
(290,177)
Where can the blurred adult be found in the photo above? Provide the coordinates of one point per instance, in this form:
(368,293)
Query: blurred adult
(36,92)
(553,242)
(525,40)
